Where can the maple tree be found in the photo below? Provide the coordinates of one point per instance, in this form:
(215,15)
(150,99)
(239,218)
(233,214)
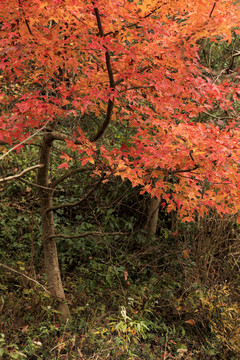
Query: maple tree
(132,65)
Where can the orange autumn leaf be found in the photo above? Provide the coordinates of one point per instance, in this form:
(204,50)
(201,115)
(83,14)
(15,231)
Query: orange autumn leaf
(190,322)
(97,67)
(186,253)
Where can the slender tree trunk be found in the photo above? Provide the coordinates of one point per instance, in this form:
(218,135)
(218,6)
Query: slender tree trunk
(152,217)
(53,275)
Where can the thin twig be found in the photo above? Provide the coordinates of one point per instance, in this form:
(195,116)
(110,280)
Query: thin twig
(27,277)
(24,141)
(217,117)
(136,24)
(38,186)
(136,88)
(210,15)
(68,174)
(172,172)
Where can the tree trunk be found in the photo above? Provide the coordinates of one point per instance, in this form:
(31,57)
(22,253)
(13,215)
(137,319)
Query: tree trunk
(53,275)
(152,217)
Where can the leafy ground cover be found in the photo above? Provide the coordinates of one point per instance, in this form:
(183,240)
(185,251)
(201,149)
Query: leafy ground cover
(172,297)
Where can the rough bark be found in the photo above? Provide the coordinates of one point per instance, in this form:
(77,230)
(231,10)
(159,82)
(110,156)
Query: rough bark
(52,269)
(152,217)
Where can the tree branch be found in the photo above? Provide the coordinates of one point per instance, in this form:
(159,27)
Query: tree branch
(27,277)
(24,141)
(90,233)
(105,123)
(107,54)
(173,172)
(61,206)
(111,81)
(13,177)
(210,15)
(38,186)
(236,54)
(137,22)
(137,87)
(68,174)
(217,117)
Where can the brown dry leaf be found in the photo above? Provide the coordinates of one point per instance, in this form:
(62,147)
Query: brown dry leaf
(186,253)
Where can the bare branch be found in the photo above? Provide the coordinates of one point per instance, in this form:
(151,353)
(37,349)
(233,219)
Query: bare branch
(68,174)
(13,177)
(27,277)
(236,54)
(24,141)
(61,206)
(217,117)
(38,186)
(210,15)
(59,136)
(90,233)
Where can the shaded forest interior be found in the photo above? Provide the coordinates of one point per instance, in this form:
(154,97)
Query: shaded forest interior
(130,294)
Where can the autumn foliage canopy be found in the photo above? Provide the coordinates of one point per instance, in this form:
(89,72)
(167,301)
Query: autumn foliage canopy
(134,67)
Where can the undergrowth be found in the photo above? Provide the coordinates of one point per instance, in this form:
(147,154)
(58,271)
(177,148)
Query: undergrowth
(172,297)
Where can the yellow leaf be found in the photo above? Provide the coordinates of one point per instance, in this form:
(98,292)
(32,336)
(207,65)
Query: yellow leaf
(91,160)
